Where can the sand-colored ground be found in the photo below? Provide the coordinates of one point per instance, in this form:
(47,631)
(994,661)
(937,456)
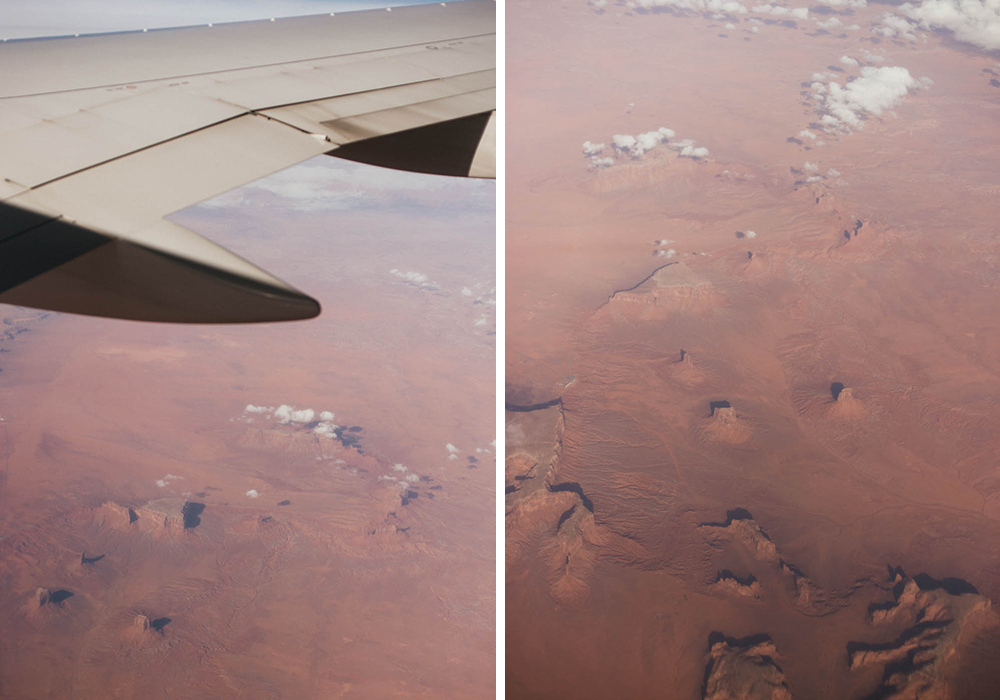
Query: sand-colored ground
(335,580)
(775,431)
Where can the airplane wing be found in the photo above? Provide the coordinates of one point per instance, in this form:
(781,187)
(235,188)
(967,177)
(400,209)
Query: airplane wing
(102,136)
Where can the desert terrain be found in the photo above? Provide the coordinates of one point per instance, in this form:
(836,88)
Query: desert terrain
(294,510)
(753,352)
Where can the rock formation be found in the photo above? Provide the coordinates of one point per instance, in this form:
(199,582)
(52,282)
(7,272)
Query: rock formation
(845,405)
(728,584)
(745,670)
(748,533)
(725,425)
(942,624)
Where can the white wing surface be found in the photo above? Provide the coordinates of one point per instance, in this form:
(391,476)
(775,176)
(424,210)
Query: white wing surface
(103,136)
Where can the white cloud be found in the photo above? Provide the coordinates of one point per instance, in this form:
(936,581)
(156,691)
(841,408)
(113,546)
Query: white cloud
(592,149)
(327,430)
(975,22)
(895,26)
(666,253)
(779,11)
(412,478)
(647,141)
(288,414)
(848,61)
(451,448)
(873,56)
(326,416)
(718,6)
(252,493)
(452,456)
(832,173)
(257,409)
(466,292)
(161,483)
(843,3)
(623,142)
(750,234)
(398,467)
(806,134)
(877,90)
(687,149)
(835,23)
(810,167)
(598,163)
(597,4)
(414,279)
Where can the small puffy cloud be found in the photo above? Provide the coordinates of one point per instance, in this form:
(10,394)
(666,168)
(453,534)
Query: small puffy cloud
(647,141)
(755,29)
(415,279)
(326,416)
(412,478)
(730,25)
(848,61)
(599,163)
(832,173)
(327,430)
(398,467)
(252,493)
(806,134)
(779,11)
(451,448)
(466,292)
(810,167)
(975,22)
(730,7)
(666,253)
(895,26)
(623,142)
(843,3)
(597,4)
(873,56)
(835,23)
(876,91)
(592,149)
(687,149)
(161,483)
(257,409)
(288,414)
(481,321)
(750,234)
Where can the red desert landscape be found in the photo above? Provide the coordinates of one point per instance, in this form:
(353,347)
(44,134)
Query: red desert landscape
(753,350)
